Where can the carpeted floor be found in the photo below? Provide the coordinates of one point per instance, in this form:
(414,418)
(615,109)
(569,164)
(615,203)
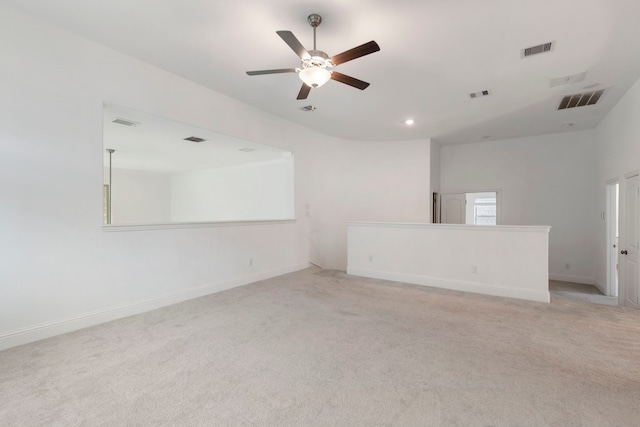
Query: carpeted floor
(580,292)
(319,348)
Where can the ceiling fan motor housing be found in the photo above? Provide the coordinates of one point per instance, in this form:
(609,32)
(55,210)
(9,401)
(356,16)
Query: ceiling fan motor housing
(318,59)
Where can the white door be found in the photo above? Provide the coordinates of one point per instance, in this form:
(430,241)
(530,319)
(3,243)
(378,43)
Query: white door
(631,242)
(453,208)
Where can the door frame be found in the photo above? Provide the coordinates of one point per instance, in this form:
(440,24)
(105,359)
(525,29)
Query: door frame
(613,246)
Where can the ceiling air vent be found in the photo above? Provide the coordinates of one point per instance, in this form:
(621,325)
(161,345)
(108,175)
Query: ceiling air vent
(194,139)
(479,94)
(581,99)
(125,122)
(536,50)
(570,79)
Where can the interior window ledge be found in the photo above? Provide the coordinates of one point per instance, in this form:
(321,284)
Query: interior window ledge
(143,227)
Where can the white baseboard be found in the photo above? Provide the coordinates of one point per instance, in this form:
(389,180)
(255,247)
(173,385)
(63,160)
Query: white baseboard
(50,329)
(456,285)
(602,288)
(573,279)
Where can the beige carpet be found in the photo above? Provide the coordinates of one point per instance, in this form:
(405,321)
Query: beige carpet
(581,292)
(319,348)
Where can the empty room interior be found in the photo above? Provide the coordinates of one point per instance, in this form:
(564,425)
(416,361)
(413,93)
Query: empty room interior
(296,213)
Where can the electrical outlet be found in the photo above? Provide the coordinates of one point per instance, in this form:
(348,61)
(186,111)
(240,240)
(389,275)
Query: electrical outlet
(474,269)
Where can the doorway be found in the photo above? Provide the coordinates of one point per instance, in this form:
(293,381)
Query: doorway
(471,207)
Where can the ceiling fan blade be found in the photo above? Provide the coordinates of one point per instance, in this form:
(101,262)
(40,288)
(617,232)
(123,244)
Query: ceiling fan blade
(356,52)
(348,80)
(294,44)
(304,92)
(280,70)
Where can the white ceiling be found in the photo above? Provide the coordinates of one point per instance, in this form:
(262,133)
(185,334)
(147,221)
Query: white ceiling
(433,54)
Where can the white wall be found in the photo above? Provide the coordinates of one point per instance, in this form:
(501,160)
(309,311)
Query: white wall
(60,271)
(255,191)
(508,261)
(365,181)
(140,197)
(545,180)
(618,153)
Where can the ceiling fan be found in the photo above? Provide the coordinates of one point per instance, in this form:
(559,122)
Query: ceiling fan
(316,65)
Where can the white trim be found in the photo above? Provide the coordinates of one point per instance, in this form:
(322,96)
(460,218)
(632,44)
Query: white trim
(62,326)
(143,227)
(456,285)
(466,227)
(573,279)
(601,288)
(611,220)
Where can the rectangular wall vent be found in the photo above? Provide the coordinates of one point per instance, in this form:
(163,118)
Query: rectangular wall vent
(536,50)
(125,122)
(581,99)
(479,94)
(194,139)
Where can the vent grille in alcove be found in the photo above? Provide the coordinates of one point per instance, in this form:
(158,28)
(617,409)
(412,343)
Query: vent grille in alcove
(581,99)
(194,139)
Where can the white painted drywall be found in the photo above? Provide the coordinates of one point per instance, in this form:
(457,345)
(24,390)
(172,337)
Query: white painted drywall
(254,191)
(498,260)
(140,197)
(545,180)
(618,153)
(58,269)
(365,181)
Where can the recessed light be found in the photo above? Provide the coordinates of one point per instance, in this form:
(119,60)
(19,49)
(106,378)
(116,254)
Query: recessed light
(409,122)
(567,125)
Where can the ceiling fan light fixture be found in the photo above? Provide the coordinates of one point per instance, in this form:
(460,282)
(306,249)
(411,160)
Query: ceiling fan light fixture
(316,64)
(315,76)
